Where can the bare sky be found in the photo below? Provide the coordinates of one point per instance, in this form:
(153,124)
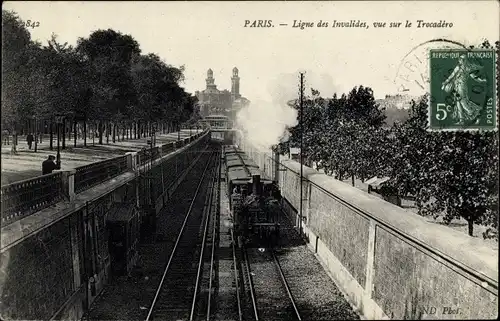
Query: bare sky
(202,35)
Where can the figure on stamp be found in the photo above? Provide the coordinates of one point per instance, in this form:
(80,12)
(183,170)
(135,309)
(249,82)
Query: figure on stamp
(465,109)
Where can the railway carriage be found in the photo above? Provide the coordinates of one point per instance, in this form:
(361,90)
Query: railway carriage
(253,200)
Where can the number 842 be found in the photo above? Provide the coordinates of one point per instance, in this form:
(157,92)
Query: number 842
(32,24)
(442,111)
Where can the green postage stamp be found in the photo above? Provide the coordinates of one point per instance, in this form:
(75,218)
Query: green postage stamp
(462,89)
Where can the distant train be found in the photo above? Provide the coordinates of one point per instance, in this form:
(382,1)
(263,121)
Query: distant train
(254,201)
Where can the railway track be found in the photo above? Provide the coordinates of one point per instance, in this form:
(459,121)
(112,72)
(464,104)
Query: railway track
(272,297)
(203,298)
(178,287)
(248,301)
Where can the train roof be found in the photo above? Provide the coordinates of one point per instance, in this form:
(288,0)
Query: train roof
(237,163)
(240,175)
(234,160)
(235,154)
(239,157)
(232,150)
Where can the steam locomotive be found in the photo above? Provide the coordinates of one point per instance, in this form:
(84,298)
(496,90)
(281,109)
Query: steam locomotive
(254,201)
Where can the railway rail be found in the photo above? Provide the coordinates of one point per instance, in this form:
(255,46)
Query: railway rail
(270,293)
(177,290)
(202,304)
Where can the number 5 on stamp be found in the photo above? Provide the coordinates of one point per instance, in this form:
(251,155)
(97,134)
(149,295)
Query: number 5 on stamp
(465,97)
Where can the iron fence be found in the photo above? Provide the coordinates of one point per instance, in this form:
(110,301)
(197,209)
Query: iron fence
(93,174)
(167,148)
(148,154)
(26,197)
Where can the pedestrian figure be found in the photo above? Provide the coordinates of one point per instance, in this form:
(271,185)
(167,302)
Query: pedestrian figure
(30,140)
(5,136)
(49,165)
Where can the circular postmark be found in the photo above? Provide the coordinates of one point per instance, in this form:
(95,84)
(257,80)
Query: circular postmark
(457,80)
(413,73)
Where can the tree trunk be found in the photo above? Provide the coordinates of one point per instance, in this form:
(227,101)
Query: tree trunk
(85,132)
(13,148)
(114,133)
(36,135)
(470,226)
(64,134)
(124,131)
(51,135)
(75,136)
(100,132)
(108,132)
(352,180)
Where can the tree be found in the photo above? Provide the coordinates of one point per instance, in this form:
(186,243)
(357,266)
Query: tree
(63,84)
(17,49)
(195,115)
(451,174)
(466,178)
(103,80)
(352,124)
(413,157)
(110,54)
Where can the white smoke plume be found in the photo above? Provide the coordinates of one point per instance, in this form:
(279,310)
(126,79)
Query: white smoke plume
(265,121)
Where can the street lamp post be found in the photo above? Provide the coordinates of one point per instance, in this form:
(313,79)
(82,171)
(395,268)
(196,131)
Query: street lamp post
(301,148)
(36,133)
(59,120)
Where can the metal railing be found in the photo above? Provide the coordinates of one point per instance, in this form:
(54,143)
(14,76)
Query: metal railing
(167,148)
(148,154)
(23,198)
(93,174)
(26,197)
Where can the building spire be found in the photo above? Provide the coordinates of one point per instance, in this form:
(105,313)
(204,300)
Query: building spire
(210,80)
(235,84)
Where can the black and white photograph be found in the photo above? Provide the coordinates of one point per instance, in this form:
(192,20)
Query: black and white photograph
(249,160)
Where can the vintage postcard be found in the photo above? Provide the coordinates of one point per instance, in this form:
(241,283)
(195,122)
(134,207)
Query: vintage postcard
(249,160)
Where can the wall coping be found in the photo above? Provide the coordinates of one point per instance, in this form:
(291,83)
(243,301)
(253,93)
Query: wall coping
(462,250)
(17,231)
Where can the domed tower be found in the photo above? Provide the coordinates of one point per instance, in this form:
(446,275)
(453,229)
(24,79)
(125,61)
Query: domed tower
(210,80)
(235,84)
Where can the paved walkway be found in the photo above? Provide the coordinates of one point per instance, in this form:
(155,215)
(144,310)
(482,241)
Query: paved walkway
(28,164)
